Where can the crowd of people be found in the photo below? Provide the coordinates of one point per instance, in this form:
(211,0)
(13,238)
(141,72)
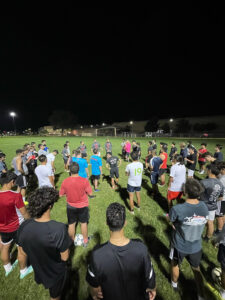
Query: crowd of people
(120,268)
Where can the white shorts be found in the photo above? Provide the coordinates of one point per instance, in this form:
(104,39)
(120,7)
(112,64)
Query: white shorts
(190,173)
(212,214)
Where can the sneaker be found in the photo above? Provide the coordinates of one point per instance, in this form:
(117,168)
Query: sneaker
(13,267)
(97,190)
(138,208)
(86,244)
(206,239)
(28,271)
(132,212)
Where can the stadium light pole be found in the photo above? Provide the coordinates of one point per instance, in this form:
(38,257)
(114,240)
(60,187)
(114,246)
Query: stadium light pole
(171,130)
(13,114)
(131,123)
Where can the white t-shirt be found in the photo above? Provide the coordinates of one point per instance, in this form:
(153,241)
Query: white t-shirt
(50,159)
(178,172)
(43,172)
(135,171)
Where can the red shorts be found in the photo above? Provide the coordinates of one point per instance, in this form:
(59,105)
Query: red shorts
(174,195)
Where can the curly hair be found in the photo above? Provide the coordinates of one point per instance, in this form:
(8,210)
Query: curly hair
(40,201)
(115,216)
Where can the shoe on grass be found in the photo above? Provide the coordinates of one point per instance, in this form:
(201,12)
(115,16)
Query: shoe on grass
(97,190)
(12,268)
(28,271)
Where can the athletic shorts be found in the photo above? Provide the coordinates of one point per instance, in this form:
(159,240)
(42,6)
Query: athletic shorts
(221,256)
(127,154)
(57,289)
(97,177)
(220,212)
(83,155)
(65,160)
(21,181)
(154,177)
(201,163)
(190,173)
(75,214)
(174,195)
(162,171)
(194,259)
(148,158)
(8,237)
(114,172)
(212,214)
(133,189)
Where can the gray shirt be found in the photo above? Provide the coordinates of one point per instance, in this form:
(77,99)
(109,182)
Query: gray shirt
(213,190)
(189,221)
(42,152)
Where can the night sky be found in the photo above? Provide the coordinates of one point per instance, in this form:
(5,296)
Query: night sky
(110,65)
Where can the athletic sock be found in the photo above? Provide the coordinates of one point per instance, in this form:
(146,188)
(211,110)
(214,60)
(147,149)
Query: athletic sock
(174,284)
(7,267)
(23,271)
(222,293)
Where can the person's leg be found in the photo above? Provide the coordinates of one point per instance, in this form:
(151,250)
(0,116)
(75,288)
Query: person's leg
(72,230)
(163,179)
(112,182)
(131,198)
(220,223)
(175,272)
(84,231)
(138,195)
(199,281)
(96,184)
(210,229)
(5,255)
(22,258)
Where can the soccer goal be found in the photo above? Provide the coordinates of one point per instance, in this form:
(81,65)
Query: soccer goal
(106,131)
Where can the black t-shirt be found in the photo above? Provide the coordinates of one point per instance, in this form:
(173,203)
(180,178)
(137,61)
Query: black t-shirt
(172,151)
(43,243)
(189,165)
(112,161)
(124,273)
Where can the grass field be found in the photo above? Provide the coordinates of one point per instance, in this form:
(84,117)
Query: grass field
(148,225)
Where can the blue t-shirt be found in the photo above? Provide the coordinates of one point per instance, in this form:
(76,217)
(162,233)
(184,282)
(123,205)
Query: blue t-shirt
(156,162)
(96,162)
(189,221)
(82,165)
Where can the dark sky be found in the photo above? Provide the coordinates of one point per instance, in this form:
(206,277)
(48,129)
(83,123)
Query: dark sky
(110,65)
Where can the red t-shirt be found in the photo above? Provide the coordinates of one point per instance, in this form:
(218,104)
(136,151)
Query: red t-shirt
(10,216)
(202,151)
(76,190)
(164,165)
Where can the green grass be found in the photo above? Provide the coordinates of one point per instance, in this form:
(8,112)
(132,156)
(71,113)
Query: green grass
(147,225)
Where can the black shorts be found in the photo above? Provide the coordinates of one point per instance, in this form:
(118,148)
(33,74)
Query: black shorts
(83,155)
(97,177)
(162,171)
(65,160)
(221,256)
(194,259)
(114,172)
(201,163)
(8,237)
(57,289)
(75,215)
(21,181)
(220,212)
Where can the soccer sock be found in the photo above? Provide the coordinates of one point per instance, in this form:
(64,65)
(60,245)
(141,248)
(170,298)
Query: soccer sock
(7,267)
(222,293)
(23,271)
(174,284)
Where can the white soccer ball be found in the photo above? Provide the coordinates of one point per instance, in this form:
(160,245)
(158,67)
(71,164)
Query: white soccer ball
(216,275)
(78,240)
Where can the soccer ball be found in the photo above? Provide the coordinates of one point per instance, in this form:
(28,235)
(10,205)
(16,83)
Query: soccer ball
(216,275)
(78,240)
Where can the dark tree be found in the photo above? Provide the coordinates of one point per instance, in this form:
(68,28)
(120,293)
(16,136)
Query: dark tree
(182,126)
(62,119)
(152,125)
(165,127)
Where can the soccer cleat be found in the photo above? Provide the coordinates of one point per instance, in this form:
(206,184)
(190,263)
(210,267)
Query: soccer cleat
(97,190)
(28,271)
(12,268)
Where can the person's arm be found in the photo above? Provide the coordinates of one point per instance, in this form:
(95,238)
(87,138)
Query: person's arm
(119,164)
(170,181)
(65,255)
(107,166)
(150,282)
(100,168)
(96,293)
(24,212)
(51,178)
(19,165)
